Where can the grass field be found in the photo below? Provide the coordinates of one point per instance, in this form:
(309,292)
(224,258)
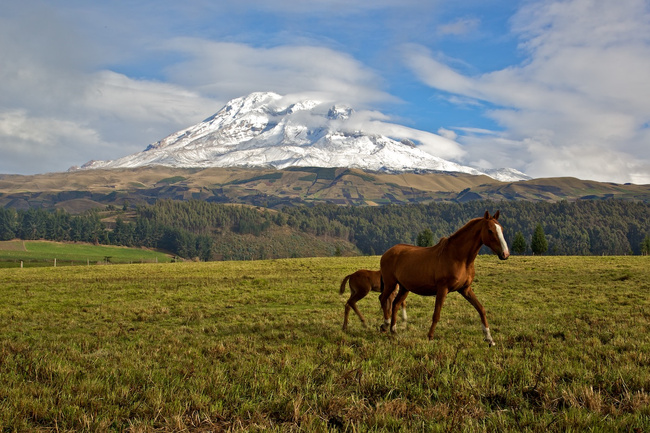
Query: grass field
(257,346)
(43,253)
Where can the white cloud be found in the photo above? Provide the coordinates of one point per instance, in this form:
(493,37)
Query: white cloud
(447,133)
(234,69)
(578,105)
(102,115)
(377,123)
(437,74)
(145,100)
(437,145)
(459,27)
(40,141)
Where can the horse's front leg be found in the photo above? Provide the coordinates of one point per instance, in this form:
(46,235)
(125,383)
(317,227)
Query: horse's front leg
(469,294)
(441,295)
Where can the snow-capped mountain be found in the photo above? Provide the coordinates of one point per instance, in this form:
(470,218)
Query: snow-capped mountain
(263,129)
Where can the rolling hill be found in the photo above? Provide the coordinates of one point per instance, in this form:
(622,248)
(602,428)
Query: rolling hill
(80,190)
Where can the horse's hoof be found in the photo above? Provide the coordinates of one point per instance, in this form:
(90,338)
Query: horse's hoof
(383,328)
(491,344)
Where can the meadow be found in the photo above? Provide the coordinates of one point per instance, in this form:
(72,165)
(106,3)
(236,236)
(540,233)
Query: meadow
(258,346)
(44,253)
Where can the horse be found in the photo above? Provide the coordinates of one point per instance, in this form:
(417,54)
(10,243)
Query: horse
(362,282)
(435,271)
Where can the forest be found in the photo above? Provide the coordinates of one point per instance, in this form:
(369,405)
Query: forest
(207,231)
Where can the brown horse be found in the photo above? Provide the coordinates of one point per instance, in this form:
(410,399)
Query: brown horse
(438,270)
(362,282)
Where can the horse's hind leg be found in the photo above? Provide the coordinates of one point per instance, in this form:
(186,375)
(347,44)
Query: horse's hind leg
(386,300)
(469,294)
(357,295)
(397,303)
(404,315)
(347,313)
(441,295)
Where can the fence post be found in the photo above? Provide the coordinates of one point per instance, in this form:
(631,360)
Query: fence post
(55,262)
(21,264)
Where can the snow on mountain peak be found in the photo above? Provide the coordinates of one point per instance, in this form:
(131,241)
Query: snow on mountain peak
(267,129)
(338,111)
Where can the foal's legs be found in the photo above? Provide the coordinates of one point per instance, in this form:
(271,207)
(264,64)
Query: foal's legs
(356,295)
(441,295)
(469,294)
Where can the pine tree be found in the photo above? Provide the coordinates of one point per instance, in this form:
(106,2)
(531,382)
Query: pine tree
(425,238)
(538,244)
(519,245)
(8,224)
(645,246)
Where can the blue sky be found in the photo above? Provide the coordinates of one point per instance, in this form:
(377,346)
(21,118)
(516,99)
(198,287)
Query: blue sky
(552,88)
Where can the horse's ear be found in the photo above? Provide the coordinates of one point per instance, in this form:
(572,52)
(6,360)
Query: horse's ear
(487,215)
(496,215)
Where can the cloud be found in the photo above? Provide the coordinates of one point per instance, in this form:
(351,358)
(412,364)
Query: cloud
(437,74)
(579,103)
(376,123)
(459,27)
(39,141)
(144,101)
(447,133)
(438,145)
(231,69)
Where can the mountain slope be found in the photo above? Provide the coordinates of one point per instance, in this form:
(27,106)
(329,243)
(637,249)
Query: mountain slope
(270,188)
(264,130)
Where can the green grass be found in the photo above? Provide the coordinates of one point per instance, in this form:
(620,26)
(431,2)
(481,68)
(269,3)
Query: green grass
(257,346)
(43,253)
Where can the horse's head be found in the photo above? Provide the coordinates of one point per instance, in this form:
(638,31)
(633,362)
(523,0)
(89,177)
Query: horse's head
(492,236)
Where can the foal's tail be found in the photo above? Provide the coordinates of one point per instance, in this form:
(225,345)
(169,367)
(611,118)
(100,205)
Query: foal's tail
(343,283)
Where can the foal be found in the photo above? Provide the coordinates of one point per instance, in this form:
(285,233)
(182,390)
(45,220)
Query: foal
(362,282)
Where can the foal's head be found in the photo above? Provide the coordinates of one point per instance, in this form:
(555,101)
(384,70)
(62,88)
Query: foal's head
(492,236)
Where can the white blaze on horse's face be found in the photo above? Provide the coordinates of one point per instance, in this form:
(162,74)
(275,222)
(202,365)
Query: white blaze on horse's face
(502,241)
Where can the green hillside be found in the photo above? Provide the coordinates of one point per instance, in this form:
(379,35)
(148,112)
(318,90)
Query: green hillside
(43,253)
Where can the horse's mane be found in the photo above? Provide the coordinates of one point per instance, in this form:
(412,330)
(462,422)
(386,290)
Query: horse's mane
(443,240)
(469,224)
(442,243)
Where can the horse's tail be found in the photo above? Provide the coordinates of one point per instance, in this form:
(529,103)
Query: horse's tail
(343,283)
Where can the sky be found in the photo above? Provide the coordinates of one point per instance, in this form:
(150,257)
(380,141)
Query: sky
(551,88)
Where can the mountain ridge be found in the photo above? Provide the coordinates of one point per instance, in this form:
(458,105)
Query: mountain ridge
(270,188)
(265,129)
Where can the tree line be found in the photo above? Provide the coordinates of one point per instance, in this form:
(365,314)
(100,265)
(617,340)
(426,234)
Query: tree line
(198,229)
